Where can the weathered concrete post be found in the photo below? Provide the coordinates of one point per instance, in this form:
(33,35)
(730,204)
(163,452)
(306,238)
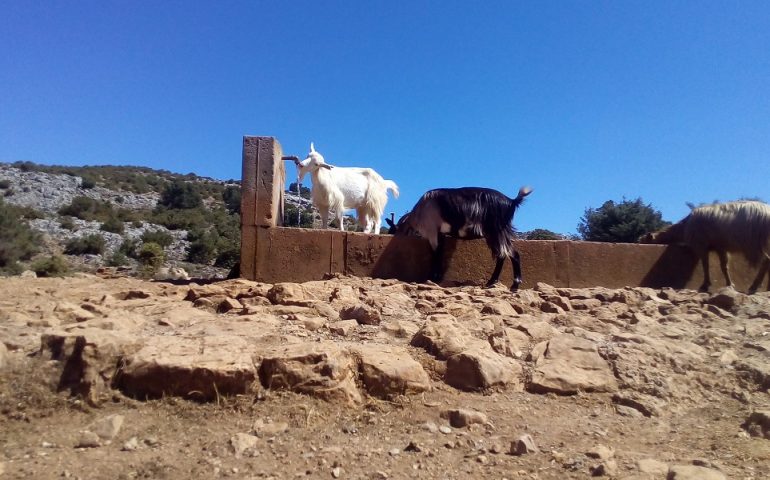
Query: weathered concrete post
(262,186)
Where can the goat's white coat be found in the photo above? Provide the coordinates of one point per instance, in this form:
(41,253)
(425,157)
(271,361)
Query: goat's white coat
(344,188)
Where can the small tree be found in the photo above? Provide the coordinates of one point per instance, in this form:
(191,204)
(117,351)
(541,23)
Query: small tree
(53,266)
(620,222)
(232,198)
(542,234)
(304,192)
(180,195)
(87,245)
(151,257)
(112,225)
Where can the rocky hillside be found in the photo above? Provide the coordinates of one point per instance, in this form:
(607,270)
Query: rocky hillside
(131,196)
(364,378)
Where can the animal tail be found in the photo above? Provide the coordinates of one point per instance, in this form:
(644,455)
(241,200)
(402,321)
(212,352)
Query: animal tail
(523,192)
(391,185)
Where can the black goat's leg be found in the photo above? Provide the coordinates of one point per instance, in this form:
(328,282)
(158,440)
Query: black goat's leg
(496,272)
(516,263)
(764,268)
(704,258)
(724,264)
(437,272)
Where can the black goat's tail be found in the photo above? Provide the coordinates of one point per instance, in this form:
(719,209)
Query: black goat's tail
(523,192)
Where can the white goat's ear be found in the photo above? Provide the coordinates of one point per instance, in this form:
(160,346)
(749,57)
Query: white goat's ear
(325,165)
(312,148)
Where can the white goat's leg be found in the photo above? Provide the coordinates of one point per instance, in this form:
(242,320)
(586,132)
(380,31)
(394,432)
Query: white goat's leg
(377,225)
(339,219)
(324,211)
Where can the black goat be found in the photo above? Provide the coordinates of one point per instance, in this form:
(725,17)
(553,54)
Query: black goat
(466,213)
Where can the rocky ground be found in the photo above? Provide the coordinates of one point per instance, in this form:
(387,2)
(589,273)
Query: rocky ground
(111,377)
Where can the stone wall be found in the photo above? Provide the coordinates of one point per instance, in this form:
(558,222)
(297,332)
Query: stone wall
(271,253)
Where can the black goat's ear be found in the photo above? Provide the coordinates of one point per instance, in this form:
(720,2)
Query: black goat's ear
(390,222)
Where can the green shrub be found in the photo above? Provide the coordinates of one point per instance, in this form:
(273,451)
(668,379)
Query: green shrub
(151,257)
(17,240)
(86,208)
(180,219)
(117,259)
(9,193)
(87,245)
(4,184)
(87,183)
(228,258)
(112,225)
(53,266)
(202,250)
(180,195)
(232,198)
(68,223)
(130,247)
(164,239)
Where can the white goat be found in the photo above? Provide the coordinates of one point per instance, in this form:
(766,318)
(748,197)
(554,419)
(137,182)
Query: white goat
(343,188)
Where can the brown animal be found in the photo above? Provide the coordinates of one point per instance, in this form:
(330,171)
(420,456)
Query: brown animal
(742,226)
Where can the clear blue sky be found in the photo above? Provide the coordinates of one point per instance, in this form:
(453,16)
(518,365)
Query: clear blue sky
(585,101)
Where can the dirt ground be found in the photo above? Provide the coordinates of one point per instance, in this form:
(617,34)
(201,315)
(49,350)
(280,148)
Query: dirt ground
(405,436)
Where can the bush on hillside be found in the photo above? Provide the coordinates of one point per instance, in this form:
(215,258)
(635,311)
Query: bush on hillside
(67,223)
(130,247)
(117,259)
(92,244)
(5,184)
(151,258)
(53,266)
(232,198)
(86,208)
(180,195)
(17,240)
(164,239)
(113,225)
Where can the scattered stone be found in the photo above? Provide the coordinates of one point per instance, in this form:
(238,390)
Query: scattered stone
(263,429)
(387,371)
(152,441)
(132,444)
(393,452)
(343,327)
(728,357)
(108,427)
(694,472)
(242,443)
(336,472)
(523,445)
(88,440)
(607,468)
(601,452)
(313,323)
(444,429)
(758,424)
(287,294)
(652,467)
(413,447)
(362,313)
(625,411)
(462,418)
(726,298)
(431,427)
(229,304)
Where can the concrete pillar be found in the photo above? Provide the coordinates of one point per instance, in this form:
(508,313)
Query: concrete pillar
(262,186)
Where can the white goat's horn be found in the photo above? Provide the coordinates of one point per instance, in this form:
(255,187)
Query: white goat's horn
(312,148)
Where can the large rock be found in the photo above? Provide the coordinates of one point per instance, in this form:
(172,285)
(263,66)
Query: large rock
(287,294)
(442,336)
(89,357)
(569,364)
(509,342)
(321,369)
(200,368)
(479,368)
(387,371)
(694,472)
